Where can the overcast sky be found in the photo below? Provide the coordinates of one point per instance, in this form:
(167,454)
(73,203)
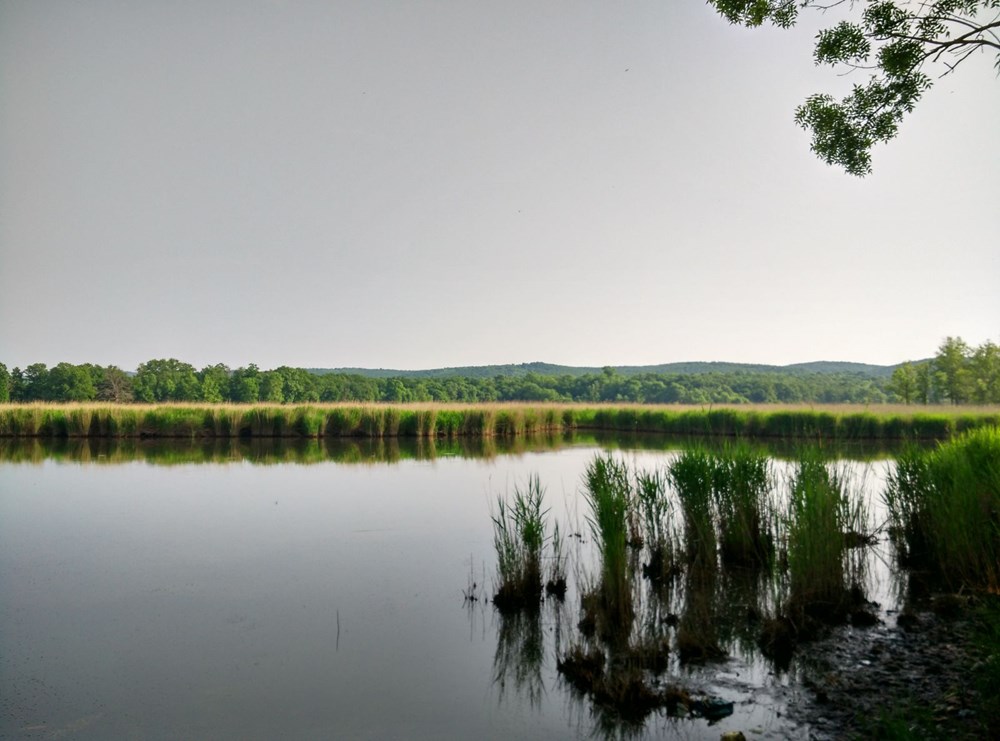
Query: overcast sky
(428,183)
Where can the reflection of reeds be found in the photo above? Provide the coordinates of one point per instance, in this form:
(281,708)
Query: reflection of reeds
(945,506)
(519,654)
(518,536)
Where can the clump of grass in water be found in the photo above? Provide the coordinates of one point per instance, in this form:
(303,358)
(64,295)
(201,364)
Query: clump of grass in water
(692,476)
(518,536)
(609,493)
(820,513)
(654,508)
(741,486)
(945,508)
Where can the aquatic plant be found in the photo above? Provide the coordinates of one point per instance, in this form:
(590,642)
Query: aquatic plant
(655,509)
(691,474)
(742,487)
(821,513)
(944,505)
(608,491)
(518,537)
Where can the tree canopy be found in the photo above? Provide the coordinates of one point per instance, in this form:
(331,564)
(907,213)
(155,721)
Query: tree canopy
(898,41)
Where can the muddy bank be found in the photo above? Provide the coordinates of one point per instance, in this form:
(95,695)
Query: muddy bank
(914,672)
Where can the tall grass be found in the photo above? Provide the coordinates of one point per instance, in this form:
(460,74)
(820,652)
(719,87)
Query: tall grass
(742,487)
(608,491)
(655,509)
(832,422)
(945,506)
(518,537)
(692,475)
(821,512)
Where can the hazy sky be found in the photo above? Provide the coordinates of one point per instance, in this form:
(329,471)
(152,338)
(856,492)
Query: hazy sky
(415,184)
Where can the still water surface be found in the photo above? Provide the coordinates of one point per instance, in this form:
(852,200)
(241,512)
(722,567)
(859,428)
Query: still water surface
(234,600)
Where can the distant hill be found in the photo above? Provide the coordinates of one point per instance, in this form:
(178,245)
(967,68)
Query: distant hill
(550,369)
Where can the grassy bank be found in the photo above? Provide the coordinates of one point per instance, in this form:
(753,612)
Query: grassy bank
(833,422)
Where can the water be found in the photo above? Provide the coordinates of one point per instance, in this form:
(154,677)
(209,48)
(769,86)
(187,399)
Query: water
(235,600)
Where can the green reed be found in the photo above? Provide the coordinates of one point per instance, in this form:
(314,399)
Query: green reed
(518,538)
(655,511)
(945,508)
(608,491)
(692,475)
(821,513)
(742,488)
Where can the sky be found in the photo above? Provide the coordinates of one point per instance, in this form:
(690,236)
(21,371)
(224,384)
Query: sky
(436,183)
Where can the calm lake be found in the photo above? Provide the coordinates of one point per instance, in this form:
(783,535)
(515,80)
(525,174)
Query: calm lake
(178,592)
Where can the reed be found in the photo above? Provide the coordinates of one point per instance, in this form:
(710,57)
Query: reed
(692,474)
(608,491)
(742,487)
(518,537)
(820,514)
(945,508)
(655,509)
(822,423)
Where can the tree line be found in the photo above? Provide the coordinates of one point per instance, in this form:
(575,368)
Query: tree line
(957,374)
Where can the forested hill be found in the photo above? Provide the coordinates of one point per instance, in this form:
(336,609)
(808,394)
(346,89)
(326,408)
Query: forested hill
(551,369)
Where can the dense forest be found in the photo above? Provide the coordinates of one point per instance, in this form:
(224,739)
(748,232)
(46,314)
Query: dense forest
(957,374)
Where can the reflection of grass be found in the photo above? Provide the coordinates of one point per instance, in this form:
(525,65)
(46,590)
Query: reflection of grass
(519,654)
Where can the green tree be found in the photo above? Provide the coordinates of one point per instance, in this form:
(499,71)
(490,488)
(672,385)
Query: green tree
(903,384)
(34,383)
(68,382)
(951,370)
(166,380)
(5,383)
(272,386)
(214,380)
(984,367)
(244,384)
(898,41)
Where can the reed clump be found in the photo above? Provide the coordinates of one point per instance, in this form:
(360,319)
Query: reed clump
(820,514)
(692,474)
(944,505)
(518,537)
(742,488)
(655,509)
(608,491)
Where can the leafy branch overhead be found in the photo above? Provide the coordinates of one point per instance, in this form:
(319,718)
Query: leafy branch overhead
(898,41)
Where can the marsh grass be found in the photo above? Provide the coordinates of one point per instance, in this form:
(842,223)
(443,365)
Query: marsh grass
(518,538)
(608,491)
(821,423)
(822,510)
(743,488)
(655,510)
(692,475)
(944,505)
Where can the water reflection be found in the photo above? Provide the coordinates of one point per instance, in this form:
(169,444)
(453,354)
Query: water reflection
(163,451)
